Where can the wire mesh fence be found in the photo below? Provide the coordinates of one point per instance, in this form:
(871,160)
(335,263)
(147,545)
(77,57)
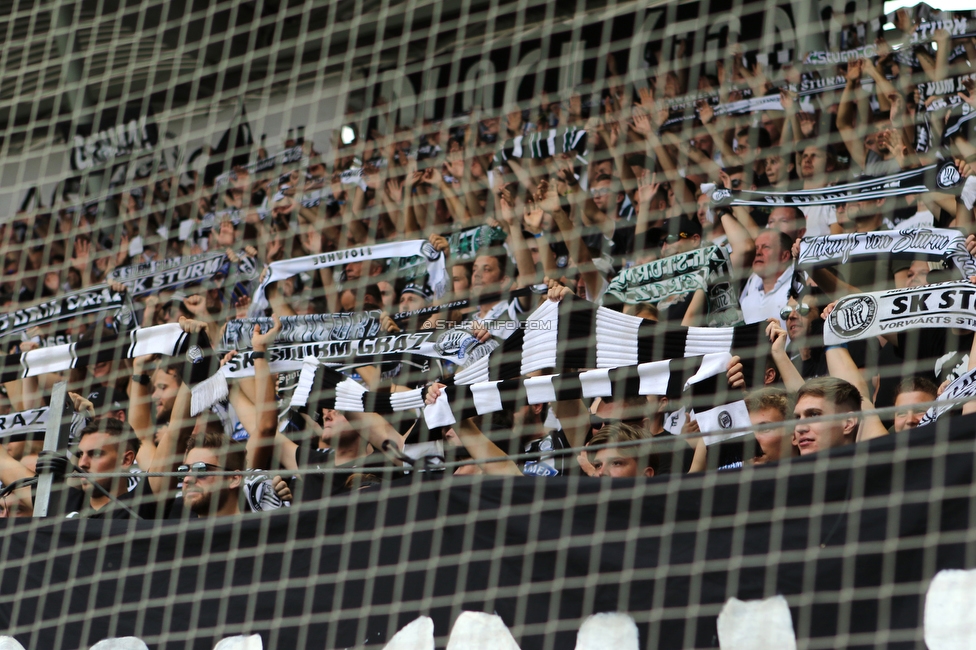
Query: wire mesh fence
(320,318)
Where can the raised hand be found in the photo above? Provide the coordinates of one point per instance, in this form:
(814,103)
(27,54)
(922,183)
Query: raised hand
(280,487)
(191,326)
(261,340)
(641,123)
(734,373)
(439,243)
(557,291)
(196,305)
(82,254)
(786,99)
(777,335)
(826,311)
(547,197)
(387,324)
(433,392)
(705,112)
(240,307)
(81,405)
(394,190)
(647,187)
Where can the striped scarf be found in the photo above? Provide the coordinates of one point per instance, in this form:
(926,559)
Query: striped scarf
(543,144)
(699,380)
(937,177)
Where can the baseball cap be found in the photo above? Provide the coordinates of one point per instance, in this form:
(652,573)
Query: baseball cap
(682,227)
(419,288)
(106,400)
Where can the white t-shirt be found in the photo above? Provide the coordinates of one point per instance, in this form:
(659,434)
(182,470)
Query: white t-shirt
(819,219)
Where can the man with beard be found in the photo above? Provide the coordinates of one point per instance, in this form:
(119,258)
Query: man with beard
(206,494)
(106,446)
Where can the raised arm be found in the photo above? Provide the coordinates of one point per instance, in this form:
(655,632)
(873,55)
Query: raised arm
(846,112)
(140,397)
(172,439)
(477,443)
(260,442)
(841,365)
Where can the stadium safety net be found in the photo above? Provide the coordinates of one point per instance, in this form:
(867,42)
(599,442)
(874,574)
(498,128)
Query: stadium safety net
(487,324)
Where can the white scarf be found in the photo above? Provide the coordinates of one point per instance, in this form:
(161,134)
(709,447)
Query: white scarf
(863,315)
(936,244)
(277,271)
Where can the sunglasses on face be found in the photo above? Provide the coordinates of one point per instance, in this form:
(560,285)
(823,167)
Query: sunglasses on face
(674,239)
(802,309)
(198,468)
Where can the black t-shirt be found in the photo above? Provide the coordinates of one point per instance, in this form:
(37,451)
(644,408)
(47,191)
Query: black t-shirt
(674,456)
(938,354)
(557,464)
(140,499)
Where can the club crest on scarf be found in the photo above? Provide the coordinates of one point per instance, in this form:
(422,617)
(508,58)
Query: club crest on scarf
(853,315)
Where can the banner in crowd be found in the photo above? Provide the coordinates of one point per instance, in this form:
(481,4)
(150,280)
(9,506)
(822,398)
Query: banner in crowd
(93,300)
(938,177)
(177,272)
(864,315)
(934,244)
(304,328)
(675,275)
(436,269)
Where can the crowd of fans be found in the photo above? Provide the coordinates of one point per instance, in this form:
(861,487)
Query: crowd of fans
(568,216)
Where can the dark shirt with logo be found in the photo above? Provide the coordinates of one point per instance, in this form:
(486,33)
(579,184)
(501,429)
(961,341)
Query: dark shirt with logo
(556,464)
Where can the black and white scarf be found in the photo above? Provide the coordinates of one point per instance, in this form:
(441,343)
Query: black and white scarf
(178,272)
(285,157)
(94,300)
(963,386)
(456,345)
(167,340)
(543,144)
(704,268)
(575,333)
(560,336)
(436,270)
(935,244)
(864,315)
(481,299)
(25,423)
(937,177)
(745,106)
(822,58)
(701,379)
(304,329)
